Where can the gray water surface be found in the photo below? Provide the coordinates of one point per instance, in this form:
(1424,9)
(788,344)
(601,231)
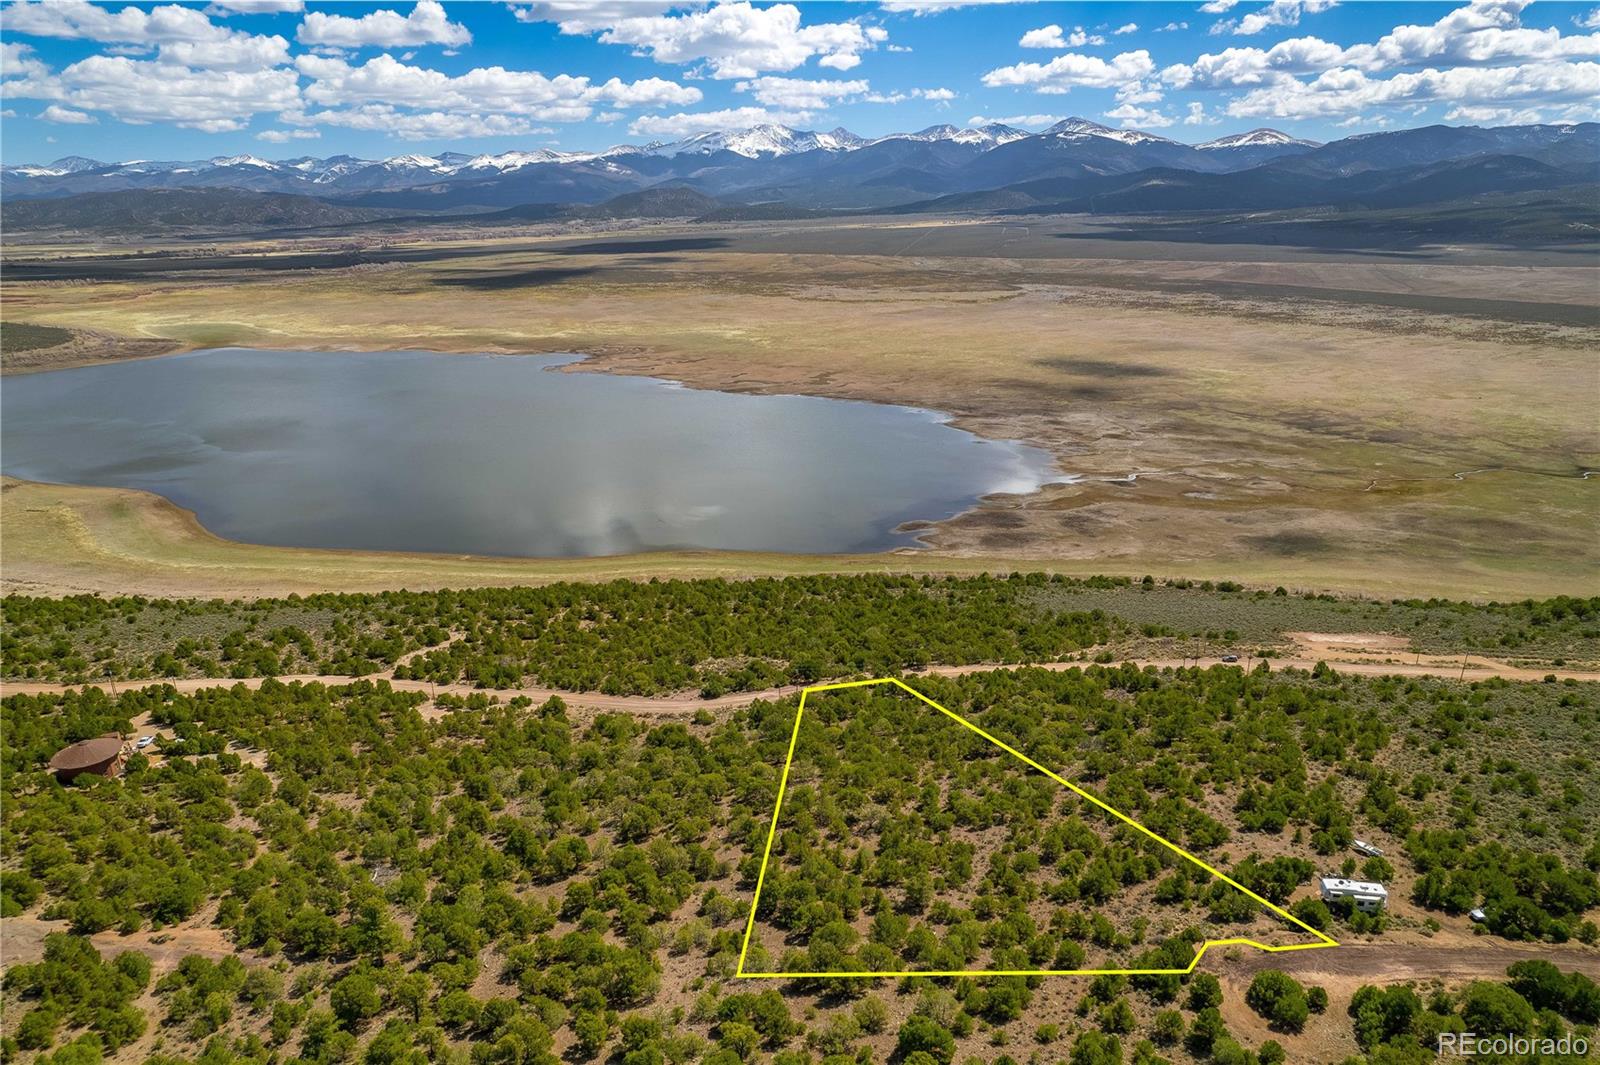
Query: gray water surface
(496,455)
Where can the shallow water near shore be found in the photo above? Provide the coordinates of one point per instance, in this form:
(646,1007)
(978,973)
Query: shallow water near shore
(497,455)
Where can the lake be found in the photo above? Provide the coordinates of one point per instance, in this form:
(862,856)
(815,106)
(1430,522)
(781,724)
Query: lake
(496,455)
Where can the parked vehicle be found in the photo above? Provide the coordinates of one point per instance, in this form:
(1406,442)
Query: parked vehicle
(1367,896)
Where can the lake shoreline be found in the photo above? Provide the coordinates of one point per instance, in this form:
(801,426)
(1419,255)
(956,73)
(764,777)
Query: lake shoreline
(63,540)
(313,429)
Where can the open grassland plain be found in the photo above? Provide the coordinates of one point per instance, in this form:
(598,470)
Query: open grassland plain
(1410,422)
(352,872)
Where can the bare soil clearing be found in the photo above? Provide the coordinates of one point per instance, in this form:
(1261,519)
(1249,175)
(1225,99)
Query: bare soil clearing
(22,942)
(1358,651)
(1389,962)
(1363,642)
(1341,971)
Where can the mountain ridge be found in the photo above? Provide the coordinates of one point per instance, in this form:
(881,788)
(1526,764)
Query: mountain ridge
(1075,164)
(768,141)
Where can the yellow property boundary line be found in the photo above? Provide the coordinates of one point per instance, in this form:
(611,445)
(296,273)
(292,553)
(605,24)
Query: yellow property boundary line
(750,924)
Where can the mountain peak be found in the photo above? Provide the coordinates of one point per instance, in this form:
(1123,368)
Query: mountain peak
(762,141)
(67,164)
(411,162)
(1003,132)
(512,160)
(985,136)
(243,160)
(73,164)
(1256,138)
(846,138)
(1076,128)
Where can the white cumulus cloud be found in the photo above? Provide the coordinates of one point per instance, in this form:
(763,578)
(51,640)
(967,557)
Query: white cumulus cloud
(255,7)
(234,53)
(81,19)
(66,116)
(1499,116)
(1073,70)
(426,24)
(17,60)
(421,125)
(1477,34)
(1277,13)
(183,35)
(587,16)
(137,90)
(1053,36)
(933,7)
(283,136)
(938,96)
(483,90)
(1131,116)
(1014,120)
(734,40)
(684,125)
(801,94)
(1336,93)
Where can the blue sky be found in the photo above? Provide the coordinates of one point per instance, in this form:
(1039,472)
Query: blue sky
(283,78)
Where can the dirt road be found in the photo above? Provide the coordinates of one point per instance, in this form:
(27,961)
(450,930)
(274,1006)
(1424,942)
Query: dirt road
(1387,963)
(689,702)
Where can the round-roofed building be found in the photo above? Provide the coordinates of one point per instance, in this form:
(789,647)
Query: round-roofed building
(101,756)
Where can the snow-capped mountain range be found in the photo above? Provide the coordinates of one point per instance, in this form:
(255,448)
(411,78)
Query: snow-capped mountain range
(757,142)
(803,168)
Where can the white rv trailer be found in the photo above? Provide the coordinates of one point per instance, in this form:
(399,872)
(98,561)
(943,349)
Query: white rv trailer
(1367,896)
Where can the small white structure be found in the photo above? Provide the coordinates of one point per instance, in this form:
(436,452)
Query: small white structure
(1361,846)
(1367,896)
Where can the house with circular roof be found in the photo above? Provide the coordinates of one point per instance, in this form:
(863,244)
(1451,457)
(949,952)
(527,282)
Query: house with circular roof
(101,756)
